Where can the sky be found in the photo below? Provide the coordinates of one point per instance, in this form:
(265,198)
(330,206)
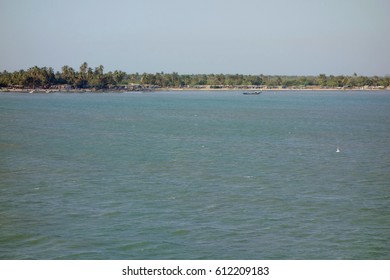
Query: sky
(270,37)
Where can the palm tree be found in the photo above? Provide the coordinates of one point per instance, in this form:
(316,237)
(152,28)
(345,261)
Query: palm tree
(68,74)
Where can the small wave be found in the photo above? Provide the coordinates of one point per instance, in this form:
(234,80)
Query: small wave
(181,232)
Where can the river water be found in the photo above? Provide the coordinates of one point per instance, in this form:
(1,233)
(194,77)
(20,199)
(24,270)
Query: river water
(195,175)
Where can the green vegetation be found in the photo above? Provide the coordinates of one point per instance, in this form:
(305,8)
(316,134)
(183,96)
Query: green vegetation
(96,79)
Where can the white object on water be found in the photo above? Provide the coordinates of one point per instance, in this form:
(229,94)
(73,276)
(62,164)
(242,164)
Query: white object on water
(337,150)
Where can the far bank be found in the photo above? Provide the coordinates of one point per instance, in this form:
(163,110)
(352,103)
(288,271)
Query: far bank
(124,89)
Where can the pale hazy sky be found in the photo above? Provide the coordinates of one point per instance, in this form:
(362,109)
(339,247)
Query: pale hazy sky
(276,37)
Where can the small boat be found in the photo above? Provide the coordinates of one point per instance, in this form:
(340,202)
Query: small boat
(252,92)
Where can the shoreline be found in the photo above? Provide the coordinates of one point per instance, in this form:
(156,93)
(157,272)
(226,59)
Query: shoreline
(186,89)
(274,89)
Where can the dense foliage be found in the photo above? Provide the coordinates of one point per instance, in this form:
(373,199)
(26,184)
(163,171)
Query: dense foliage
(87,77)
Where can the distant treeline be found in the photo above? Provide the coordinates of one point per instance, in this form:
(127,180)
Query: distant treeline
(87,77)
